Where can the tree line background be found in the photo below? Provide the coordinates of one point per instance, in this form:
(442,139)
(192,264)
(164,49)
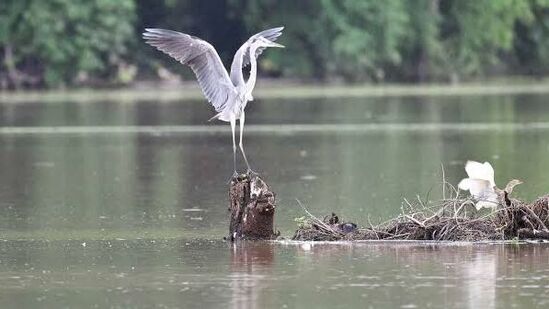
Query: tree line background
(63,43)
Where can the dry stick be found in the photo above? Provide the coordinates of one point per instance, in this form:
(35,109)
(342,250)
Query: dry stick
(436,207)
(536,218)
(372,227)
(386,222)
(454,204)
(456,191)
(441,233)
(443,182)
(433,234)
(461,206)
(440,209)
(510,217)
(415,220)
(398,235)
(429,218)
(420,201)
(546,217)
(525,218)
(452,230)
(320,222)
(409,205)
(447,230)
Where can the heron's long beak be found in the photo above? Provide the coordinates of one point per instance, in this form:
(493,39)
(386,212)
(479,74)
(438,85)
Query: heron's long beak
(273,44)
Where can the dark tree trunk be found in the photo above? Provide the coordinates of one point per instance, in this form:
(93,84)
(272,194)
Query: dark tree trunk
(252,207)
(9,62)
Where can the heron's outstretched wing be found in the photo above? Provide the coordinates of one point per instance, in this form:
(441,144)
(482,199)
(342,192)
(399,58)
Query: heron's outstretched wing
(269,34)
(201,57)
(242,56)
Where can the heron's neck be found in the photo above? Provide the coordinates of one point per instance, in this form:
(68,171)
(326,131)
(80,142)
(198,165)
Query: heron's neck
(250,84)
(236,67)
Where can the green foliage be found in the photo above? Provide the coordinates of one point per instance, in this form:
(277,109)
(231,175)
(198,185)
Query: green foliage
(64,42)
(398,39)
(531,45)
(367,35)
(473,32)
(307,40)
(348,38)
(420,47)
(56,41)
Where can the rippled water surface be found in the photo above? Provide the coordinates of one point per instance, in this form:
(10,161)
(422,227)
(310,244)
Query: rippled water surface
(114,204)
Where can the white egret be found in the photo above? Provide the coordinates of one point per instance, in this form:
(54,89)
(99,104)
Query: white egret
(480,184)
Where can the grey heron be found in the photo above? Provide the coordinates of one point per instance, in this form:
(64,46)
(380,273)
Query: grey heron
(228,94)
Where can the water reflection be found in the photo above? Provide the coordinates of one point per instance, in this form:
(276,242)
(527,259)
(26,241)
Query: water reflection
(251,265)
(183,273)
(480,275)
(431,275)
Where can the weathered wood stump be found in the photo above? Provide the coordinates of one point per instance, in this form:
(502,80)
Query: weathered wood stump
(252,208)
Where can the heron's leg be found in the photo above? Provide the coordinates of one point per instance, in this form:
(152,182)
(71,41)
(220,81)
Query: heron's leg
(233,129)
(242,120)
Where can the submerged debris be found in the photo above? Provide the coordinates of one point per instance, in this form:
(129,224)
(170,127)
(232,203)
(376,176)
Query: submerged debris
(448,220)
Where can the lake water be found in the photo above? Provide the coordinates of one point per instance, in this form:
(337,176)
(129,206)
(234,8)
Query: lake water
(112,204)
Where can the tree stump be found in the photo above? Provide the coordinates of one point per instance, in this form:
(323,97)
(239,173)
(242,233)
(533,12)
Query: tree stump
(252,208)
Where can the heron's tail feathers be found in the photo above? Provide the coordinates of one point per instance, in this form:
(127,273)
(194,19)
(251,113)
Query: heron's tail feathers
(215,117)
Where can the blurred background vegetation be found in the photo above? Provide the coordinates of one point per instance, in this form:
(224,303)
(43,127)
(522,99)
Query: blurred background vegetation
(65,43)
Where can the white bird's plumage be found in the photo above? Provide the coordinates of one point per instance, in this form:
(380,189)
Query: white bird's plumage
(202,58)
(227,93)
(477,170)
(480,184)
(243,55)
